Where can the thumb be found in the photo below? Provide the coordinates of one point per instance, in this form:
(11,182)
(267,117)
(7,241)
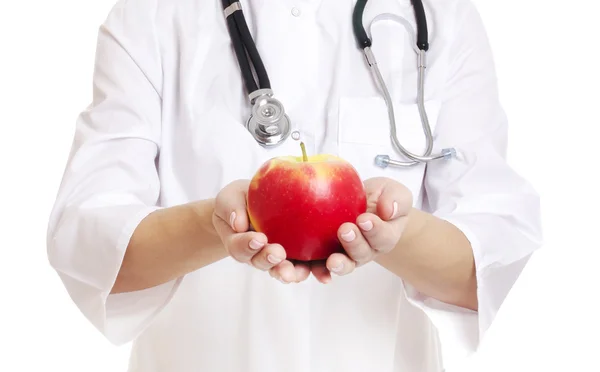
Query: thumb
(230,205)
(394,201)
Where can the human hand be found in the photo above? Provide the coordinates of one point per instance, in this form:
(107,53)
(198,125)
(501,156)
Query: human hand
(232,224)
(375,232)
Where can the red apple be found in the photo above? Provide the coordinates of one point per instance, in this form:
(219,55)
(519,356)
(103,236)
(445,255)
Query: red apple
(301,201)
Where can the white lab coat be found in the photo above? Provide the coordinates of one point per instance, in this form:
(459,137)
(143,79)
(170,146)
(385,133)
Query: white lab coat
(167,83)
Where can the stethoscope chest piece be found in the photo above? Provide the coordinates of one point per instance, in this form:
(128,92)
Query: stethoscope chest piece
(268,124)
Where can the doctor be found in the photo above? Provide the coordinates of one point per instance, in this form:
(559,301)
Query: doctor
(150,235)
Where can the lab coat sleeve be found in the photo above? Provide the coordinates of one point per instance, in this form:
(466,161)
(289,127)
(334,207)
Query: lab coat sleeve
(495,208)
(110,183)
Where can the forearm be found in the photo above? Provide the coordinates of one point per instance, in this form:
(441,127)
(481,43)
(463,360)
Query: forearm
(168,244)
(436,258)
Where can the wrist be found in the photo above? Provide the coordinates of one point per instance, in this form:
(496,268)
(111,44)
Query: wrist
(168,244)
(204,211)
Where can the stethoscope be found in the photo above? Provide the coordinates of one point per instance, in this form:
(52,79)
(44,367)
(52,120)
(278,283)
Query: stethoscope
(270,125)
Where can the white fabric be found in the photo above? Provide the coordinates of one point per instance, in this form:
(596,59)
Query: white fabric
(167,82)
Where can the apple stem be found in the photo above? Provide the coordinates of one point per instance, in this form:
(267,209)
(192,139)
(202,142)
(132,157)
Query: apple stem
(304,156)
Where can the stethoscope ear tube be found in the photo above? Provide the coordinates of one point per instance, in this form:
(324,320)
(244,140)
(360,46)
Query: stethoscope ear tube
(238,47)
(242,43)
(357,25)
(420,45)
(422,33)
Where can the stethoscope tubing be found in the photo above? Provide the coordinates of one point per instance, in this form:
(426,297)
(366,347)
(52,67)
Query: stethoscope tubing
(242,42)
(247,54)
(420,45)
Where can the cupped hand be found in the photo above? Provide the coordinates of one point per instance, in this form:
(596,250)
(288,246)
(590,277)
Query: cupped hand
(232,224)
(374,233)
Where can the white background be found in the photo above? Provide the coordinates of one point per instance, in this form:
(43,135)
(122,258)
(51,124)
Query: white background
(549,70)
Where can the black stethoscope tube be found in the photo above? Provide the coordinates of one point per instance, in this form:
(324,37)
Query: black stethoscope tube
(363,39)
(242,43)
(422,34)
(357,25)
(270,125)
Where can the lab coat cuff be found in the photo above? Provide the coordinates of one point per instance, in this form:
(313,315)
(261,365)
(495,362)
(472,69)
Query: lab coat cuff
(459,330)
(127,314)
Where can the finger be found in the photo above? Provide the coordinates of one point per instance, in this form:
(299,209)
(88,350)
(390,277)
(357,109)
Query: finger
(240,246)
(230,205)
(269,256)
(394,202)
(340,264)
(393,198)
(381,236)
(320,271)
(284,272)
(302,271)
(356,246)
(244,246)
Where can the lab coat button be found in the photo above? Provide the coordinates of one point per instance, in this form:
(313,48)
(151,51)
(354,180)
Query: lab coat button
(295,12)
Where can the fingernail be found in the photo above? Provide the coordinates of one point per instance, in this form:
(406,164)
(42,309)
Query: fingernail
(232,220)
(367,225)
(274,260)
(255,244)
(349,236)
(338,268)
(395,210)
